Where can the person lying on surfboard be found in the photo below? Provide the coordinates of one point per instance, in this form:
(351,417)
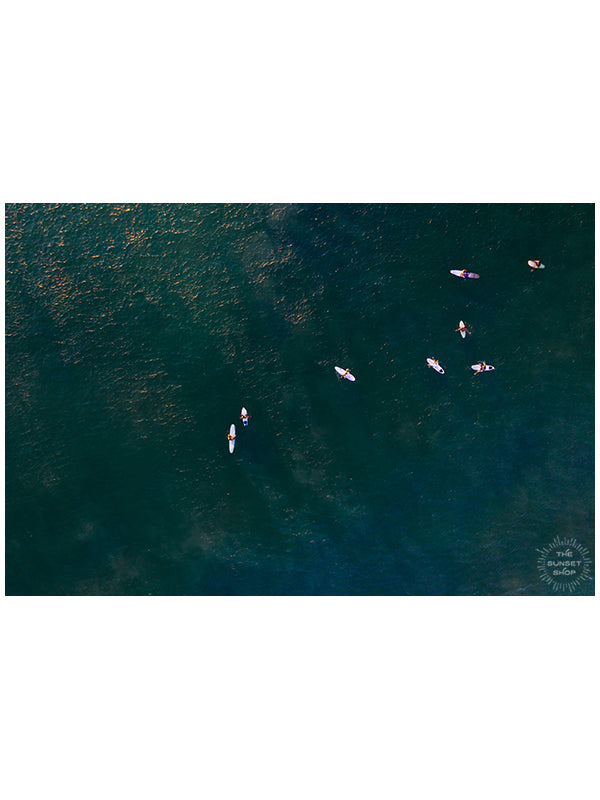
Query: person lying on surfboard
(462,328)
(482,366)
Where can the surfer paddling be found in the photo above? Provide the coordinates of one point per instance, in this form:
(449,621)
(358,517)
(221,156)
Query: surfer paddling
(463,273)
(231,438)
(435,364)
(345,373)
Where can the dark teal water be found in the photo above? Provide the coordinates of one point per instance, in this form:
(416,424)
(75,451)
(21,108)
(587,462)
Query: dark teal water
(134,334)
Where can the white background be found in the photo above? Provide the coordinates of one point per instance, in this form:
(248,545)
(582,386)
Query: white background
(299,697)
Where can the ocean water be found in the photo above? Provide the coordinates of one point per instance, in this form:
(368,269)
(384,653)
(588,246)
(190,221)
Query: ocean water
(135,333)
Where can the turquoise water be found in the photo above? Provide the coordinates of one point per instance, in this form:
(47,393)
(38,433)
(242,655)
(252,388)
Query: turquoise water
(135,333)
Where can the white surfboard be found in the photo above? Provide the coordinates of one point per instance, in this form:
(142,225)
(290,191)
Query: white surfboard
(461,324)
(244,416)
(433,362)
(487,368)
(232,441)
(344,373)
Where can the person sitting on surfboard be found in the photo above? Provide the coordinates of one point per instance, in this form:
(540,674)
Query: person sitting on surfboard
(464,273)
(231,437)
(244,416)
(534,264)
(482,366)
(462,328)
(343,375)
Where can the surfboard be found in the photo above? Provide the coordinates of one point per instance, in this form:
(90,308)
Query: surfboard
(244,417)
(345,374)
(487,368)
(232,441)
(461,324)
(432,362)
(459,273)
